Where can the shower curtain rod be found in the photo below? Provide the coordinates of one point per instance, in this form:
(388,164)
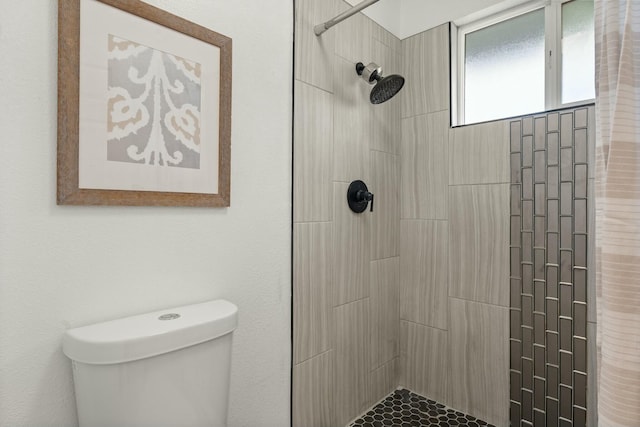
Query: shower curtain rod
(321,28)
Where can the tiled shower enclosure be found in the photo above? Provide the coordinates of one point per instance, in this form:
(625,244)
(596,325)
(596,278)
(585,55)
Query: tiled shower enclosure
(416,293)
(550,184)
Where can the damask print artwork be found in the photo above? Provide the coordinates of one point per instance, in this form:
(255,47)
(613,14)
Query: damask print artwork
(144,115)
(153,109)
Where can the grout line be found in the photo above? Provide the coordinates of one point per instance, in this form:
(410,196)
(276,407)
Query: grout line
(480,302)
(350,302)
(384,152)
(385,258)
(314,222)
(425,219)
(314,86)
(421,324)
(479,183)
(312,357)
(424,114)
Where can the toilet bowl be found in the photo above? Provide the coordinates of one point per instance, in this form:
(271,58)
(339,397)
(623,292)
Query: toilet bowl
(168,368)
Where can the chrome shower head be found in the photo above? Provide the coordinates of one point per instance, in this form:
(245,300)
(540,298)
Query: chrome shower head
(385,87)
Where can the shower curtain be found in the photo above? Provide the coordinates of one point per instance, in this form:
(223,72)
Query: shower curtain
(617,29)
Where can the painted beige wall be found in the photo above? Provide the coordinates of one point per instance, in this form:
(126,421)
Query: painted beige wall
(65,266)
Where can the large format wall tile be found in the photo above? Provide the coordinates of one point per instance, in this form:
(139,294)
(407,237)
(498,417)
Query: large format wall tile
(426,69)
(385,218)
(385,118)
(349,354)
(313,154)
(352,360)
(313,392)
(479,154)
(385,311)
(423,272)
(383,381)
(382,35)
(314,56)
(312,295)
(351,242)
(352,127)
(479,243)
(423,169)
(353,40)
(478,341)
(424,360)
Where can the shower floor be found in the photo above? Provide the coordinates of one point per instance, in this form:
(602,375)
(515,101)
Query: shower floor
(406,409)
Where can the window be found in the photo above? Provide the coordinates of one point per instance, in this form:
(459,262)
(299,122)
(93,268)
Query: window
(537,57)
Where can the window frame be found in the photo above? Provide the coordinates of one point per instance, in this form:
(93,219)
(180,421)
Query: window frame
(553,53)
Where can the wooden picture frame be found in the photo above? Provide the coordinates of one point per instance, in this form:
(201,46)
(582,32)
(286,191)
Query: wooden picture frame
(191,170)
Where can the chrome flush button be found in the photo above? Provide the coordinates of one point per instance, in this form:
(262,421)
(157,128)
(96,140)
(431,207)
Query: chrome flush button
(169,316)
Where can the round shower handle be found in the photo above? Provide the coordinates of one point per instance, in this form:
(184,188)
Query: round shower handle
(359,196)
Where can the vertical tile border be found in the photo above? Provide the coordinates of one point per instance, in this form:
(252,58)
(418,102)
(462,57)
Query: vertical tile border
(549,268)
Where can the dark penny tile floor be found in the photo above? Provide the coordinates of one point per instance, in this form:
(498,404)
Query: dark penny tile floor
(406,409)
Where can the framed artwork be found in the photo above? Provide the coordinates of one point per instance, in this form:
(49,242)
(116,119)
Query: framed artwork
(144,107)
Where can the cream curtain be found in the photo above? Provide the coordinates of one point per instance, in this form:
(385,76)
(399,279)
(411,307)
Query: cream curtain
(618,210)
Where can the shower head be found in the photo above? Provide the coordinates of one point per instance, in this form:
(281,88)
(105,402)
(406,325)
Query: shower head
(385,87)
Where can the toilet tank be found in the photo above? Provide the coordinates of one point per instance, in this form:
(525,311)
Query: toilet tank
(169,368)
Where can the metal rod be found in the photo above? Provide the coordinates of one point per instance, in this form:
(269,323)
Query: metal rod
(321,28)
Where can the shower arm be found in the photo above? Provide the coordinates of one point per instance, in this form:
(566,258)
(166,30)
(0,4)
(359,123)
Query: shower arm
(321,28)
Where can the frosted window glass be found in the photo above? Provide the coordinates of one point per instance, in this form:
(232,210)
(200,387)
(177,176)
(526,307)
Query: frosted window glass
(578,51)
(504,69)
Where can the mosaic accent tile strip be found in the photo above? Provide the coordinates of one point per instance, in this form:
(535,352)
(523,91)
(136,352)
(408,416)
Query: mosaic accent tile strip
(403,408)
(548,339)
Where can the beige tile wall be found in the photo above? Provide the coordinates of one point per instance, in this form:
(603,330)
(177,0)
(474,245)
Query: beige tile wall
(423,272)
(384,302)
(479,359)
(454,240)
(479,242)
(425,59)
(353,346)
(313,156)
(424,360)
(346,298)
(387,298)
(313,383)
(312,257)
(423,160)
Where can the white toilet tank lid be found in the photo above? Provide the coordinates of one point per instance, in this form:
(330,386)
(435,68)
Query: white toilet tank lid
(151,334)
